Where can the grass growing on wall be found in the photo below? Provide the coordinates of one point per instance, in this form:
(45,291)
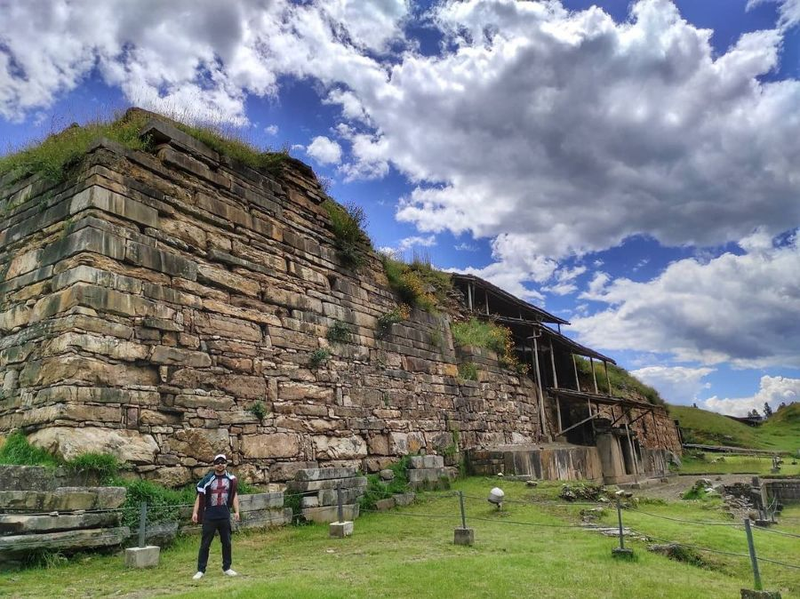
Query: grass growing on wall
(53,156)
(623,383)
(348,223)
(485,334)
(418,283)
(17,451)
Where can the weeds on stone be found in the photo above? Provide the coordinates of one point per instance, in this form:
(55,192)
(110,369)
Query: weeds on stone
(319,357)
(258,409)
(17,451)
(468,371)
(418,284)
(623,383)
(378,489)
(339,333)
(391,318)
(348,223)
(491,336)
(102,466)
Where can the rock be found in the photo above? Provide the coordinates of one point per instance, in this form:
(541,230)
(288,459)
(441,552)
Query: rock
(68,443)
(324,473)
(386,474)
(71,540)
(275,445)
(63,499)
(55,522)
(340,448)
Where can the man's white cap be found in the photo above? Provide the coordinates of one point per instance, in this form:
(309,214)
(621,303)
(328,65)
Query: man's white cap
(220,455)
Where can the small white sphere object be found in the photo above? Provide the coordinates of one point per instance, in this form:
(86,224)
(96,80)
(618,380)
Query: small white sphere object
(496,495)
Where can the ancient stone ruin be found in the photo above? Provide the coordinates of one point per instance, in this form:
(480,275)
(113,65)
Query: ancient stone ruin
(166,306)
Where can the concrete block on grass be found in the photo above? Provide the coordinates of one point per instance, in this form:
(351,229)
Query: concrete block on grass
(622,553)
(142,557)
(464,536)
(340,530)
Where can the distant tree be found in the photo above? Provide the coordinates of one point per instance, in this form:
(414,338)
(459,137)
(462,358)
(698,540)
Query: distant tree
(754,414)
(783,405)
(767,410)
(694,405)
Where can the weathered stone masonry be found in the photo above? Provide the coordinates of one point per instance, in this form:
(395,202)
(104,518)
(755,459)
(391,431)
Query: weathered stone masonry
(152,299)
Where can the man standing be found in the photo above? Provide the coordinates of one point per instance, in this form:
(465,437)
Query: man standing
(216,494)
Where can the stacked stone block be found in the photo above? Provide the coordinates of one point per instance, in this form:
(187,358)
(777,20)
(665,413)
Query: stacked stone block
(429,472)
(34,514)
(318,490)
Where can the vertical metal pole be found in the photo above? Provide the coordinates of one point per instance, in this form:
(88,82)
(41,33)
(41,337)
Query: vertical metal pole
(594,375)
(142,522)
(575,369)
(487,302)
(753,559)
(539,381)
(619,519)
(463,513)
(608,380)
(339,508)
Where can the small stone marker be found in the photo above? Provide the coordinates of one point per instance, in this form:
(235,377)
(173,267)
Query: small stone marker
(750,594)
(142,557)
(340,530)
(622,552)
(464,536)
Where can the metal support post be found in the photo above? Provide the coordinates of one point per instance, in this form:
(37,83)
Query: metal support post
(753,558)
(142,522)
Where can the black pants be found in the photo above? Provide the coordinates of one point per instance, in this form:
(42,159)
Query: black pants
(209,528)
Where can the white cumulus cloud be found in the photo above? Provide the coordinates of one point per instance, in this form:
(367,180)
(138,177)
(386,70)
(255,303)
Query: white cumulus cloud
(773,390)
(324,150)
(676,384)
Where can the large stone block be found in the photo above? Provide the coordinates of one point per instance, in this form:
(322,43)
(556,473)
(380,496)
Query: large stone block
(161,261)
(328,514)
(142,557)
(22,524)
(114,203)
(26,478)
(64,499)
(228,280)
(174,356)
(260,501)
(201,444)
(232,328)
(325,473)
(303,486)
(71,540)
(68,443)
(275,445)
(340,448)
(65,369)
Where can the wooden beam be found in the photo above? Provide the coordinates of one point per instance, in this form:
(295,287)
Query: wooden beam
(608,380)
(539,382)
(584,421)
(594,375)
(553,364)
(577,378)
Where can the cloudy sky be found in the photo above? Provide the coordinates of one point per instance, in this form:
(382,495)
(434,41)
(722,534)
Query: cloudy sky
(630,166)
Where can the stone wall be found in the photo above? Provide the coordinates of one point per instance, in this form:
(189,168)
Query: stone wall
(151,300)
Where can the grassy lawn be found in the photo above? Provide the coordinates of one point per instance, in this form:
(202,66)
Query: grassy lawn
(736,464)
(409,553)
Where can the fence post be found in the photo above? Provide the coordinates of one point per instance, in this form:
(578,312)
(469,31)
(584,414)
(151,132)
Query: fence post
(621,551)
(142,522)
(339,507)
(753,560)
(340,529)
(463,535)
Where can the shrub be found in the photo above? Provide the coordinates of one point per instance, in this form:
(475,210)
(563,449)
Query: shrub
(378,489)
(229,143)
(417,283)
(386,321)
(16,450)
(339,333)
(258,409)
(468,371)
(319,357)
(490,336)
(163,504)
(347,224)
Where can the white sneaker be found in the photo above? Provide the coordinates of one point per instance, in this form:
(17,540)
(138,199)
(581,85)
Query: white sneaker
(198,576)
(230,572)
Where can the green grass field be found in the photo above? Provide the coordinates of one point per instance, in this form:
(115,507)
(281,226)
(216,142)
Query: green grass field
(736,464)
(525,550)
(780,432)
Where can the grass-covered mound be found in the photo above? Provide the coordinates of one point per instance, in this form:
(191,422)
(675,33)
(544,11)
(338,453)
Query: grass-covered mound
(779,432)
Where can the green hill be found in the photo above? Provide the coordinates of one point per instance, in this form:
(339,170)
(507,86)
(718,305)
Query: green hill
(781,431)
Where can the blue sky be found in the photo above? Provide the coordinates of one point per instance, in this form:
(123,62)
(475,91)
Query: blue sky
(630,166)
